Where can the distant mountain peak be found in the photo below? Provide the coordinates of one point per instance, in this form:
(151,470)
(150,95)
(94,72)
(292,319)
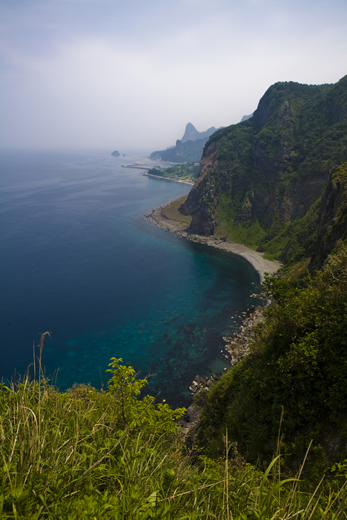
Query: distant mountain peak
(187,149)
(192,134)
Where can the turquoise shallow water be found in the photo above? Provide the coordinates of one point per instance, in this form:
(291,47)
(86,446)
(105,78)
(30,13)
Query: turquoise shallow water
(80,260)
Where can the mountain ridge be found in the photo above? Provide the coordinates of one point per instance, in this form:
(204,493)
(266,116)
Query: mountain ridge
(259,177)
(187,149)
(192,134)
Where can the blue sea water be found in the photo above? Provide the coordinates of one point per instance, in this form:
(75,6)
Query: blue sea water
(78,259)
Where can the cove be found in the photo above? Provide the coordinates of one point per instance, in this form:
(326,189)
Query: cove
(80,260)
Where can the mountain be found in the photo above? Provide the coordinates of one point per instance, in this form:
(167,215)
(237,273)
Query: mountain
(115,153)
(292,385)
(293,379)
(260,181)
(187,149)
(244,118)
(278,182)
(191,133)
(190,151)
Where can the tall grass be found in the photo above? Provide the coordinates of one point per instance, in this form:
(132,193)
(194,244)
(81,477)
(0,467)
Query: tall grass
(76,455)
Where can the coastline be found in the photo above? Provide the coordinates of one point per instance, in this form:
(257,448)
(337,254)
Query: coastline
(237,345)
(167,179)
(256,259)
(139,166)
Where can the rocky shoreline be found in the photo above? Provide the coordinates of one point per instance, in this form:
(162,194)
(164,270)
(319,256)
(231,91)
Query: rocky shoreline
(235,349)
(256,259)
(237,345)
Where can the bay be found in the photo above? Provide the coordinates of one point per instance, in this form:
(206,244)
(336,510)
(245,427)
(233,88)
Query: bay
(78,259)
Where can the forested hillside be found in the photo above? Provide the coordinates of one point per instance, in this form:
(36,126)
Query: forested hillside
(259,179)
(293,382)
(278,182)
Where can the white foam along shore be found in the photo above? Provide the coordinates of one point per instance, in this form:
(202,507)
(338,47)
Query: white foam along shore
(255,258)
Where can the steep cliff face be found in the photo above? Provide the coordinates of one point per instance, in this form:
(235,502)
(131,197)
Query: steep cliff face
(332,225)
(258,177)
(197,206)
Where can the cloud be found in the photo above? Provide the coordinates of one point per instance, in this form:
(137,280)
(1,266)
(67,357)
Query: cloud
(80,73)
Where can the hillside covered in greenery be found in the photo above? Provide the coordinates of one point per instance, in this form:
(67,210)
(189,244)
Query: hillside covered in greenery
(278,183)
(294,379)
(260,181)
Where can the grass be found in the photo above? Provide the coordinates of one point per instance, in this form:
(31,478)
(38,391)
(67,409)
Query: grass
(170,211)
(91,454)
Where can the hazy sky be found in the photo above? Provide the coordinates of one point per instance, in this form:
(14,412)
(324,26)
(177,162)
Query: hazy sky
(132,73)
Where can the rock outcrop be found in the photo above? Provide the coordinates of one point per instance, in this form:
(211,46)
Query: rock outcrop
(332,225)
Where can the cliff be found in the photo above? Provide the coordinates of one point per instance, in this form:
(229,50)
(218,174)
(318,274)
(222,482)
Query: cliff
(332,221)
(278,182)
(261,177)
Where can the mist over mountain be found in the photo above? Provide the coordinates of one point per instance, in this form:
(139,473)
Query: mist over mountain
(187,149)
(192,134)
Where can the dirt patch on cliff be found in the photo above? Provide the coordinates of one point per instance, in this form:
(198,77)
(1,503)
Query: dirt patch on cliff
(171,213)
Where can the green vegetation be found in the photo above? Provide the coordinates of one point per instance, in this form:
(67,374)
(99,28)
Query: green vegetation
(170,211)
(297,364)
(270,171)
(91,454)
(117,454)
(183,172)
(272,438)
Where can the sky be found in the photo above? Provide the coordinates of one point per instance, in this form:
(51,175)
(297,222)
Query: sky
(117,74)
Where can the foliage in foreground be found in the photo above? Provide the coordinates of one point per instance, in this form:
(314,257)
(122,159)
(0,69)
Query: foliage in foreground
(297,363)
(88,454)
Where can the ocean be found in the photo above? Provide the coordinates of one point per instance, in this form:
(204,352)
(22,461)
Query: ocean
(80,260)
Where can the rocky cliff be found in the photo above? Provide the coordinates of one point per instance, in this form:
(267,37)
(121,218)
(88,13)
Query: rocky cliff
(332,217)
(260,177)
